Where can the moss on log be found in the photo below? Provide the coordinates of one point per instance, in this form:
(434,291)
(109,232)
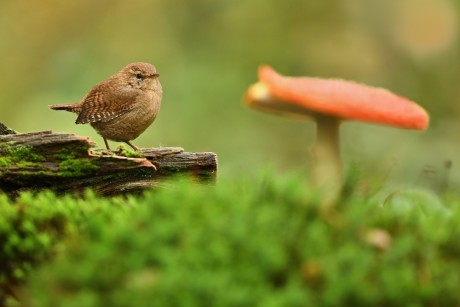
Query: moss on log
(65,162)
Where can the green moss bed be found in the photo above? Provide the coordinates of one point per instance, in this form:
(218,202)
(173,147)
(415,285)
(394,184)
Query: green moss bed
(264,242)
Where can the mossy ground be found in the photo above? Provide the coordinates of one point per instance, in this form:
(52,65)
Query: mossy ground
(260,242)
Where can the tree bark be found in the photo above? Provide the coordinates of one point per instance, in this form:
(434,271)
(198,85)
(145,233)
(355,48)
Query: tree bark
(65,163)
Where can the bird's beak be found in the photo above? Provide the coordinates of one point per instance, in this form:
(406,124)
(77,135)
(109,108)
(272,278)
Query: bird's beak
(154,76)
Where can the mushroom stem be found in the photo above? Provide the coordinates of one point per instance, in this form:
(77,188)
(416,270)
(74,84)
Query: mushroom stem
(327,169)
(308,97)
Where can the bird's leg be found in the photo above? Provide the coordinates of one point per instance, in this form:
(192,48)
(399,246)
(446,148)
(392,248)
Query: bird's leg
(106,144)
(132,146)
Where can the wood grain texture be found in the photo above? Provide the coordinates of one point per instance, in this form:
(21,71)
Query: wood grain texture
(65,163)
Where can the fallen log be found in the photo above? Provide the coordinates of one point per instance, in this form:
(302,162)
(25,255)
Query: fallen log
(65,163)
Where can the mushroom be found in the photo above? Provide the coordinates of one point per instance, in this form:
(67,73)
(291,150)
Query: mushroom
(329,102)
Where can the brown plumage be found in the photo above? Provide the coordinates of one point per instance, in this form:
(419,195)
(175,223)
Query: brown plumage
(121,107)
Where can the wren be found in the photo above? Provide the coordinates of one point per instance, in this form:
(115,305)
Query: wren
(121,107)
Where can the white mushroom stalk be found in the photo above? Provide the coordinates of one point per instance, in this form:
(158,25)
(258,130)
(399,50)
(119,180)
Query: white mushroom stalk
(327,168)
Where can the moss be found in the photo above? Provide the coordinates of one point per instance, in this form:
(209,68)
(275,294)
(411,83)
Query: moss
(71,152)
(5,161)
(77,167)
(230,245)
(6,145)
(71,165)
(22,156)
(26,153)
(125,152)
(26,158)
(64,154)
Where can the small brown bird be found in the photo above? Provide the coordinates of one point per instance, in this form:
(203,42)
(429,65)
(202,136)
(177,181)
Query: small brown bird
(121,107)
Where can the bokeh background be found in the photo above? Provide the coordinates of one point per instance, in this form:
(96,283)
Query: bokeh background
(208,51)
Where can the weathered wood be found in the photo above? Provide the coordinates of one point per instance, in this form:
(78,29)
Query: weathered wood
(65,162)
(5,130)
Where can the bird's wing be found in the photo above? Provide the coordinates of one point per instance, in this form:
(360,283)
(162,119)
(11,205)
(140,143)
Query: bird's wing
(104,104)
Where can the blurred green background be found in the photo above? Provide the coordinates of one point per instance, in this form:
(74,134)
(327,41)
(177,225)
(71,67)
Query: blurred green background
(208,51)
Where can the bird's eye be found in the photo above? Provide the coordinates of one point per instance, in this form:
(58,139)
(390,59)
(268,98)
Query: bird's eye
(139,75)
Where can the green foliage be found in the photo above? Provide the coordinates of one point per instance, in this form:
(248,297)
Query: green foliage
(72,163)
(126,152)
(248,244)
(71,152)
(22,156)
(25,153)
(28,229)
(77,167)
(31,228)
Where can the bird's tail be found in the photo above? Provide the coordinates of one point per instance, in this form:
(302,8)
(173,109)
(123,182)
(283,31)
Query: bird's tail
(70,107)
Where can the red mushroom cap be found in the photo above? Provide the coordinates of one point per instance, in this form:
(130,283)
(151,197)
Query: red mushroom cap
(345,99)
